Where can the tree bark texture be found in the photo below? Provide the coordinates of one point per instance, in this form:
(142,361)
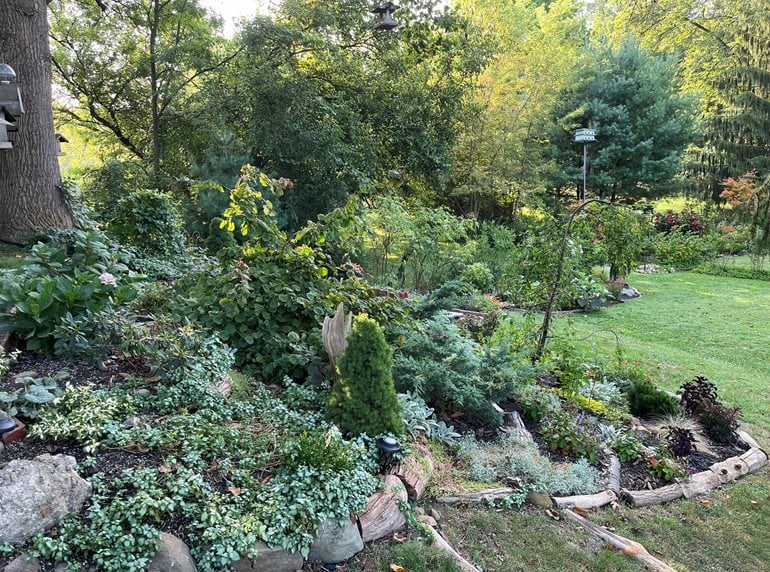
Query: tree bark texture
(30,193)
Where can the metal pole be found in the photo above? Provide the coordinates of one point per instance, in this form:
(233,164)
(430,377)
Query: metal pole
(585,160)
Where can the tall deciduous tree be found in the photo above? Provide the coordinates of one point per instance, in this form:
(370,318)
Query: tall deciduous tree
(133,65)
(498,159)
(642,123)
(30,192)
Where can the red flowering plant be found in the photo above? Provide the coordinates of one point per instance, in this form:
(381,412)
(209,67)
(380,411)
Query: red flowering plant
(685,221)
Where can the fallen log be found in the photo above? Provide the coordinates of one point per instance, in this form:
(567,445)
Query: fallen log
(720,473)
(485,496)
(620,543)
(613,483)
(444,546)
(586,502)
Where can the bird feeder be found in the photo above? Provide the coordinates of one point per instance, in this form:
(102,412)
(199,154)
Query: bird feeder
(59,140)
(385,12)
(585,135)
(11,106)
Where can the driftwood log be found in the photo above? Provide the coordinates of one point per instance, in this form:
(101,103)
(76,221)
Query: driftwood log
(613,478)
(515,426)
(479,497)
(623,545)
(382,515)
(586,502)
(717,474)
(444,546)
(415,470)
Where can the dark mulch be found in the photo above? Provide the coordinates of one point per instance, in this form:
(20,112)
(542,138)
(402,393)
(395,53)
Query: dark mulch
(82,372)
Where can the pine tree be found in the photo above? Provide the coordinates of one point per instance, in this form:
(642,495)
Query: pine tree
(364,400)
(741,127)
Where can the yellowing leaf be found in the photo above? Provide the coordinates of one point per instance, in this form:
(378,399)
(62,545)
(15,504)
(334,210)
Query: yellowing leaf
(397,568)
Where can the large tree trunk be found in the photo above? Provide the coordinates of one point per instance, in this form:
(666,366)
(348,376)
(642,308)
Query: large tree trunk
(30,194)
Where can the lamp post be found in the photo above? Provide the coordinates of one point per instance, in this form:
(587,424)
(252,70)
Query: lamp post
(385,12)
(585,136)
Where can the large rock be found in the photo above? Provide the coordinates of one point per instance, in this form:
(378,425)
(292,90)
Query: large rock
(36,495)
(269,560)
(335,543)
(173,554)
(21,564)
(382,515)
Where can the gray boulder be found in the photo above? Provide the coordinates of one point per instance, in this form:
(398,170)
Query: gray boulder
(21,564)
(335,543)
(269,560)
(36,495)
(173,554)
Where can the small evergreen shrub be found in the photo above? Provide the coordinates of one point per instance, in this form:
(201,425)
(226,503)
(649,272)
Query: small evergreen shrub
(147,220)
(364,400)
(646,400)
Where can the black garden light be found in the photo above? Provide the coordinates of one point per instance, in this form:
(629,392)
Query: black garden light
(388,447)
(385,12)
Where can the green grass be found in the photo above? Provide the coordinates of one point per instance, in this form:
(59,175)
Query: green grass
(11,256)
(500,541)
(677,204)
(688,324)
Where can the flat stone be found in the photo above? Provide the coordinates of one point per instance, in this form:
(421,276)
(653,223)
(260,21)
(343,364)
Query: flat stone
(142,392)
(335,543)
(269,560)
(429,520)
(173,554)
(36,495)
(21,564)
(434,514)
(540,500)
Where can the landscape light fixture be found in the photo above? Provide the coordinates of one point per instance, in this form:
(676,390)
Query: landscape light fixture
(11,106)
(388,447)
(385,12)
(585,136)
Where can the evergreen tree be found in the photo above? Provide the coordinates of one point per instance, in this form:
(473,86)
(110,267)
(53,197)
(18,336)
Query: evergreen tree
(740,129)
(642,124)
(364,400)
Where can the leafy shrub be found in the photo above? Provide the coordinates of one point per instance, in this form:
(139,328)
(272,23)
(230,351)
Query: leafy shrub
(34,393)
(71,280)
(219,237)
(646,400)
(605,390)
(682,250)
(86,415)
(573,435)
(363,399)
(317,449)
(479,276)
(147,221)
(680,441)
(625,444)
(697,394)
(719,422)
(537,402)
(420,421)
(685,222)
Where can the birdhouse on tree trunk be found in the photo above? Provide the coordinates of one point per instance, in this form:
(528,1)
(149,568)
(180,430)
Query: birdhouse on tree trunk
(11,106)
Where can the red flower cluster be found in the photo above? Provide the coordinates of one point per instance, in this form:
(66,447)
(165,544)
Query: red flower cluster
(687,221)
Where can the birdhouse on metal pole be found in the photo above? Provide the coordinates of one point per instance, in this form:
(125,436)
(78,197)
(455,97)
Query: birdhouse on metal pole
(11,106)
(385,12)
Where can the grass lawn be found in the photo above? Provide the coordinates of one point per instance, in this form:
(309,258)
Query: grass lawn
(11,256)
(684,325)
(688,324)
